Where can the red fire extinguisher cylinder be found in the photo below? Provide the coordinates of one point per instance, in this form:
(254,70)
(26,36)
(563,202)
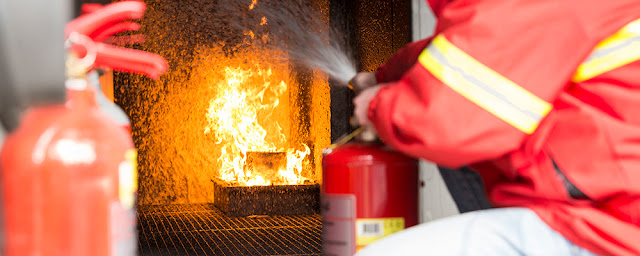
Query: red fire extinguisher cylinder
(369,191)
(69,182)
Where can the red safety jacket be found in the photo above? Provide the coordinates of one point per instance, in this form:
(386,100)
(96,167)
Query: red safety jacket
(518,88)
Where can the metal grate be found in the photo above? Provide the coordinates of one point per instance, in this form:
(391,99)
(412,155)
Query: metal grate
(201,229)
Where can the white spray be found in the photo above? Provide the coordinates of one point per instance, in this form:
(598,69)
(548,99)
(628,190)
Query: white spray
(296,28)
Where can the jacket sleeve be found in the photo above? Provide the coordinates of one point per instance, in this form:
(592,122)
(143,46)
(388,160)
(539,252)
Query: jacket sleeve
(484,83)
(401,62)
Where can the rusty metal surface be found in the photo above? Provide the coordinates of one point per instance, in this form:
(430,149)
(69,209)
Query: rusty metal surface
(265,164)
(201,229)
(266,200)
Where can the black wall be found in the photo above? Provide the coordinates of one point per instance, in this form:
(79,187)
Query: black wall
(376,29)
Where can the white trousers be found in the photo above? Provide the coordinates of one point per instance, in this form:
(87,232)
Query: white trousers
(494,232)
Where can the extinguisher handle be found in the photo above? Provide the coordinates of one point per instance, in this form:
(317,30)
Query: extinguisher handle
(107,31)
(98,18)
(129,60)
(89,8)
(101,22)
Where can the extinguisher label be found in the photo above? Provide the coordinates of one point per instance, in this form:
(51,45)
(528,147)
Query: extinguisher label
(128,179)
(338,224)
(370,230)
(124,240)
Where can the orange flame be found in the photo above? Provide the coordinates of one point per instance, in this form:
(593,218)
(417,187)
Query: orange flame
(253,4)
(240,119)
(247,115)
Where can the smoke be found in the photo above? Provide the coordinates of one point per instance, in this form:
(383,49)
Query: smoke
(296,28)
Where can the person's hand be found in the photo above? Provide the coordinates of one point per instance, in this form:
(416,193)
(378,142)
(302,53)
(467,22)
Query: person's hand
(362,81)
(361,103)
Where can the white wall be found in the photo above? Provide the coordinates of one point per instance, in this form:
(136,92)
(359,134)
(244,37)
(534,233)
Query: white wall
(2,135)
(423,21)
(435,200)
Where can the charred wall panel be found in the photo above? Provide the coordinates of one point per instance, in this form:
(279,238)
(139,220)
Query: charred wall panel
(382,28)
(377,29)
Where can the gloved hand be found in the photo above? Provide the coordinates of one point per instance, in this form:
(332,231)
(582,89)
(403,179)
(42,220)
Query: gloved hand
(361,103)
(362,81)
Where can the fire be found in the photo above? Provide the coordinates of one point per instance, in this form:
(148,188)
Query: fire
(253,4)
(247,117)
(242,117)
(178,160)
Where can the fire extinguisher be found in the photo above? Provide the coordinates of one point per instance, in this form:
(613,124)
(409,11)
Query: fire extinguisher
(369,191)
(69,172)
(102,77)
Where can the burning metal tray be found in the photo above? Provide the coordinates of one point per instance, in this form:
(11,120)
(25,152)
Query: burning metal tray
(237,201)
